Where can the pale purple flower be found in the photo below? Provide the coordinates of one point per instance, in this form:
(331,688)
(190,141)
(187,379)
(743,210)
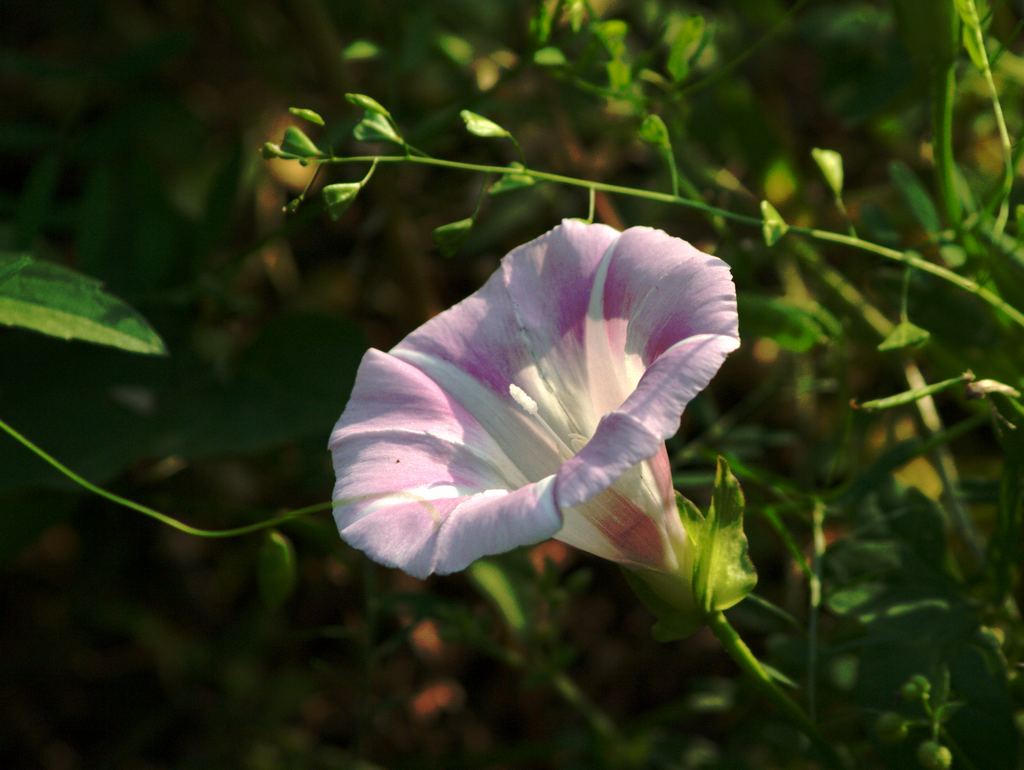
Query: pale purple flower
(538,407)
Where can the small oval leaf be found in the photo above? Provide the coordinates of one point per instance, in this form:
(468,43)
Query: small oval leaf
(307,115)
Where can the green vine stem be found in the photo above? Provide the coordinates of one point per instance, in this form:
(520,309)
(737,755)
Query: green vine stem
(841,239)
(752,667)
(152,513)
(943,88)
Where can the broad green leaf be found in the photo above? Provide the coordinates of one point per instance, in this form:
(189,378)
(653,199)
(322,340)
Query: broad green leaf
(481,126)
(360,50)
(549,56)
(905,335)
(277,569)
(688,36)
(915,195)
(368,103)
(792,327)
(830,163)
(54,300)
(723,572)
(9,269)
(654,131)
(307,114)
(497,584)
(449,237)
(297,143)
(774,226)
(339,197)
(376,127)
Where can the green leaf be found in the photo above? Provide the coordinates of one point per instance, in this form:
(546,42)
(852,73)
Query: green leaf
(456,48)
(497,584)
(830,163)
(297,143)
(688,36)
(575,12)
(654,131)
(774,226)
(360,50)
(510,182)
(277,569)
(549,56)
(612,34)
(54,300)
(723,572)
(451,236)
(376,127)
(339,197)
(541,22)
(915,195)
(306,114)
(368,103)
(904,335)
(792,327)
(481,126)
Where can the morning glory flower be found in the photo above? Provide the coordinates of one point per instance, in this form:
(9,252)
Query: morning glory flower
(538,407)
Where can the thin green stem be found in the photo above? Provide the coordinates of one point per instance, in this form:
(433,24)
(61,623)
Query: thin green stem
(752,667)
(592,204)
(907,258)
(814,609)
(145,510)
(943,89)
(1004,135)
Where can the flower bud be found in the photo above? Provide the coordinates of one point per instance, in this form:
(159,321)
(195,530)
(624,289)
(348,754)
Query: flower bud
(934,756)
(916,688)
(891,727)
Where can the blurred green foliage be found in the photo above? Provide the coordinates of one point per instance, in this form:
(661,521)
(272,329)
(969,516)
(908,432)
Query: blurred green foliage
(887,543)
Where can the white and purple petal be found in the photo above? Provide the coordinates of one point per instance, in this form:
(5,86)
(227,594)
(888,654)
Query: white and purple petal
(537,407)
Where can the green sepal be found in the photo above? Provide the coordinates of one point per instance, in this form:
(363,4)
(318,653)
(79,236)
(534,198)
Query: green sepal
(673,623)
(830,163)
(376,127)
(722,571)
(774,226)
(509,182)
(306,114)
(368,103)
(449,237)
(904,335)
(295,142)
(714,569)
(478,125)
(338,197)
